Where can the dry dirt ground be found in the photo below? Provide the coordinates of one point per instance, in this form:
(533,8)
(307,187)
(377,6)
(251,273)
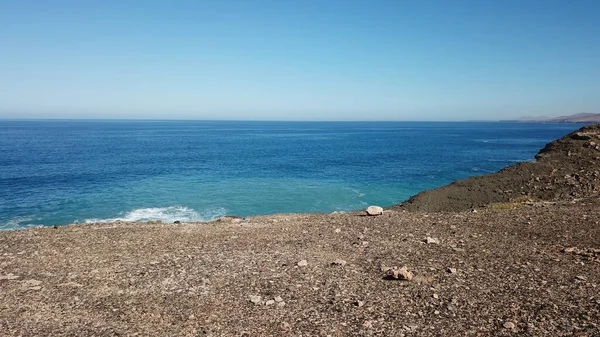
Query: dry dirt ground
(508,269)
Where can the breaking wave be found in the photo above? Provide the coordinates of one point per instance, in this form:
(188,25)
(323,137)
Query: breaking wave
(165,214)
(18,223)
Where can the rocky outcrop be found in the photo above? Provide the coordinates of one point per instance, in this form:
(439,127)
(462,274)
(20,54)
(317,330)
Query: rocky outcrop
(565,169)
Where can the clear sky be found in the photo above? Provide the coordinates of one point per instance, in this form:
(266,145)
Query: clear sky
(299,59)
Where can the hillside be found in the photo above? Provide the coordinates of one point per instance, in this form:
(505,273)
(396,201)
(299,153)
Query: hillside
(566,169)
(576,118)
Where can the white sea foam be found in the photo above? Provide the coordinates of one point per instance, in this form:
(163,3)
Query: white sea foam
(18,223)
(166,214)
(355,191)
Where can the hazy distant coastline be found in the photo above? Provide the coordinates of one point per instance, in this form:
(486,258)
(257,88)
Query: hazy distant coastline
(576,118)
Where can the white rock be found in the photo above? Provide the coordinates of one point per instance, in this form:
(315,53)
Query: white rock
(278,299)
(374,210)
(303,263)
(431,240)
(255,299)
(509,325)
(270,302)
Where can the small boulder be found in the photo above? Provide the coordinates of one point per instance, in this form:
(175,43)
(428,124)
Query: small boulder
(431,240)
(374,210)
(398,273)
(509,325)
(303,263)
(255,299)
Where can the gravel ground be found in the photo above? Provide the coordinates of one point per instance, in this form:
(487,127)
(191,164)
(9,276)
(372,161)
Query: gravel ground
(497,271)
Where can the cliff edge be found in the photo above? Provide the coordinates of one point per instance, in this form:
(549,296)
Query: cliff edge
(565,169)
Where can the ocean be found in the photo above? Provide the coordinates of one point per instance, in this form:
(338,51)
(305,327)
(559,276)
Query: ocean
(57,172)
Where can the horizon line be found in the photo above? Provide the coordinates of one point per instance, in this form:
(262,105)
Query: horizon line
(250,120)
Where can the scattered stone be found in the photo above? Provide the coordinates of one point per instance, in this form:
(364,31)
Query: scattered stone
(270,302)
(398,273)
(255,299)
(509,325)
(281,304)
(436,296)
(176,222)
(430,240)
(452,270)
(303,263)
(339,262)
(592,254)
(278,299)
(359,303)
(374,210)
(338,230)
(71,284)
(9,276)
(580,277)
(32,283)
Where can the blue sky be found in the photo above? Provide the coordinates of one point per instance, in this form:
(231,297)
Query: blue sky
(299,60)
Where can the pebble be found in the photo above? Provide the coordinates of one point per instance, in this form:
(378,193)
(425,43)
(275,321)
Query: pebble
(270,302)
(32,283)
(452,270)
(436,296)
(509,325)
(10,276)
(255,299)
(339,262)
(338,230)
(278,299)
(431,240)
(398,273)
(303,263)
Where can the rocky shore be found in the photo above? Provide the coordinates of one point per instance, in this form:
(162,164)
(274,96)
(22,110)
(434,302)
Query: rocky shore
(512,253)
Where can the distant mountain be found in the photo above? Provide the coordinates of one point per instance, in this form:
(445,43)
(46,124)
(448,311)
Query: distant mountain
(576,118)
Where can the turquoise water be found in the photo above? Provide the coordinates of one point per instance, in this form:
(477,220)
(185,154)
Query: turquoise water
(61,172)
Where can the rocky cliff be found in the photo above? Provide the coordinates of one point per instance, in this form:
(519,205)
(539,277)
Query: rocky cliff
(566,169)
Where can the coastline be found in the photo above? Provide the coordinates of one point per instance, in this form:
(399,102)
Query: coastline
(517,266)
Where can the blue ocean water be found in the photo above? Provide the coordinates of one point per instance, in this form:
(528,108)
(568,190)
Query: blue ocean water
(61,172)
